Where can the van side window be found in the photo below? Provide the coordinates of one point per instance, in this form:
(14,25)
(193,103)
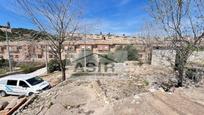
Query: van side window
(12,82)
(23,84)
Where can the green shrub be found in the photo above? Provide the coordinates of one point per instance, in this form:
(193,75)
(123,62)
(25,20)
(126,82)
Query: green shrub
(4,63)
(106,59)
(146,82)
(3,70)
(54,65)
(26,68)
(111,57)
(132,52)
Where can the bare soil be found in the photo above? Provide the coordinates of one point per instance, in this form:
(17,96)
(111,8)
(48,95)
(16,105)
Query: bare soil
(116,95)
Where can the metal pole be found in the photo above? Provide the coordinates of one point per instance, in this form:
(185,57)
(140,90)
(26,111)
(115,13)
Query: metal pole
(85,50)
(8,48)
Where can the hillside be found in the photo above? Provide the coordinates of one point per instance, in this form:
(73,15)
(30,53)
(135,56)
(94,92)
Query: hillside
(19,34)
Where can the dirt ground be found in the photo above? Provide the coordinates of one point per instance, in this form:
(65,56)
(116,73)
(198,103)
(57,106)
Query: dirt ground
(7,98)
(116,95)
(87,98)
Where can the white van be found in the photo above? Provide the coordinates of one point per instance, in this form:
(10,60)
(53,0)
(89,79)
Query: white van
(22,84)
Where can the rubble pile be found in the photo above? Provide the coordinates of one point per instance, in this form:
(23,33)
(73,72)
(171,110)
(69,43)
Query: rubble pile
(8,108)
(150,73)
(187,83)
(118,89)
(95,94)
(145,70)
(65,96)
(82,96)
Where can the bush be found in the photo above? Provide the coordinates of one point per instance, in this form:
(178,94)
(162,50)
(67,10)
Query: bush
(28,68)
(121,54)
(4,63)
(54,65)
(193,74)
(132,52)
(3,70)
(146,82)
(106,59)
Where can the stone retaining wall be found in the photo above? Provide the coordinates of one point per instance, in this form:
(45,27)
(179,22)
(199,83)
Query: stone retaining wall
(166,57)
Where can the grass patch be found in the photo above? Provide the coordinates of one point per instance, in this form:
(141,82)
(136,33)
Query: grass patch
(3,71)
(146,82)
(28,68)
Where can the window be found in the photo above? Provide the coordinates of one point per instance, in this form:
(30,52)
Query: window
(35,81)
(50,56)
(16,56)
(19,47)
(39,56)
(23,84)
(12,82)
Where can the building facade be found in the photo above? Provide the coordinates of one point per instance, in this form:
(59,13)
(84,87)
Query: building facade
(27,51)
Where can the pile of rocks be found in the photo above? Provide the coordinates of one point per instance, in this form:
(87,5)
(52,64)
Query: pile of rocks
(81,96)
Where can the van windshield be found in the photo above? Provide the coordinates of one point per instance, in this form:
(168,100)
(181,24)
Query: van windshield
(35,80)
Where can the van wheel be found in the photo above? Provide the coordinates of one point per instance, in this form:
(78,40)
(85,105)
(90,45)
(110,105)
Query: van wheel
(31,93)
(2,93)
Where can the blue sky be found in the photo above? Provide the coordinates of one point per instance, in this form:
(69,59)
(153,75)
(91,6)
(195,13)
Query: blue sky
(114,16)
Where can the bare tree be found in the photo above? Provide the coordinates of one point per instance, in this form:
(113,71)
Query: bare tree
(183,21)
(151,37)
(56,19)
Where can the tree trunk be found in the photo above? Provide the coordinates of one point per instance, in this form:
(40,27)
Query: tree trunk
(180,77)
(63,73)
(180,62)
(62,67)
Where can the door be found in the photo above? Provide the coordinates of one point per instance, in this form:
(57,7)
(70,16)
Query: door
(23,88)
(11,87)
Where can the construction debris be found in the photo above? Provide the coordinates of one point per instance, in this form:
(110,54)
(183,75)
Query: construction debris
(3,104)
(84,96)
(111,94)
(87,94)
(10,108)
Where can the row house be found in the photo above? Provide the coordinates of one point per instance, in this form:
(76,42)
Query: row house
(18,50)
(25,51)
